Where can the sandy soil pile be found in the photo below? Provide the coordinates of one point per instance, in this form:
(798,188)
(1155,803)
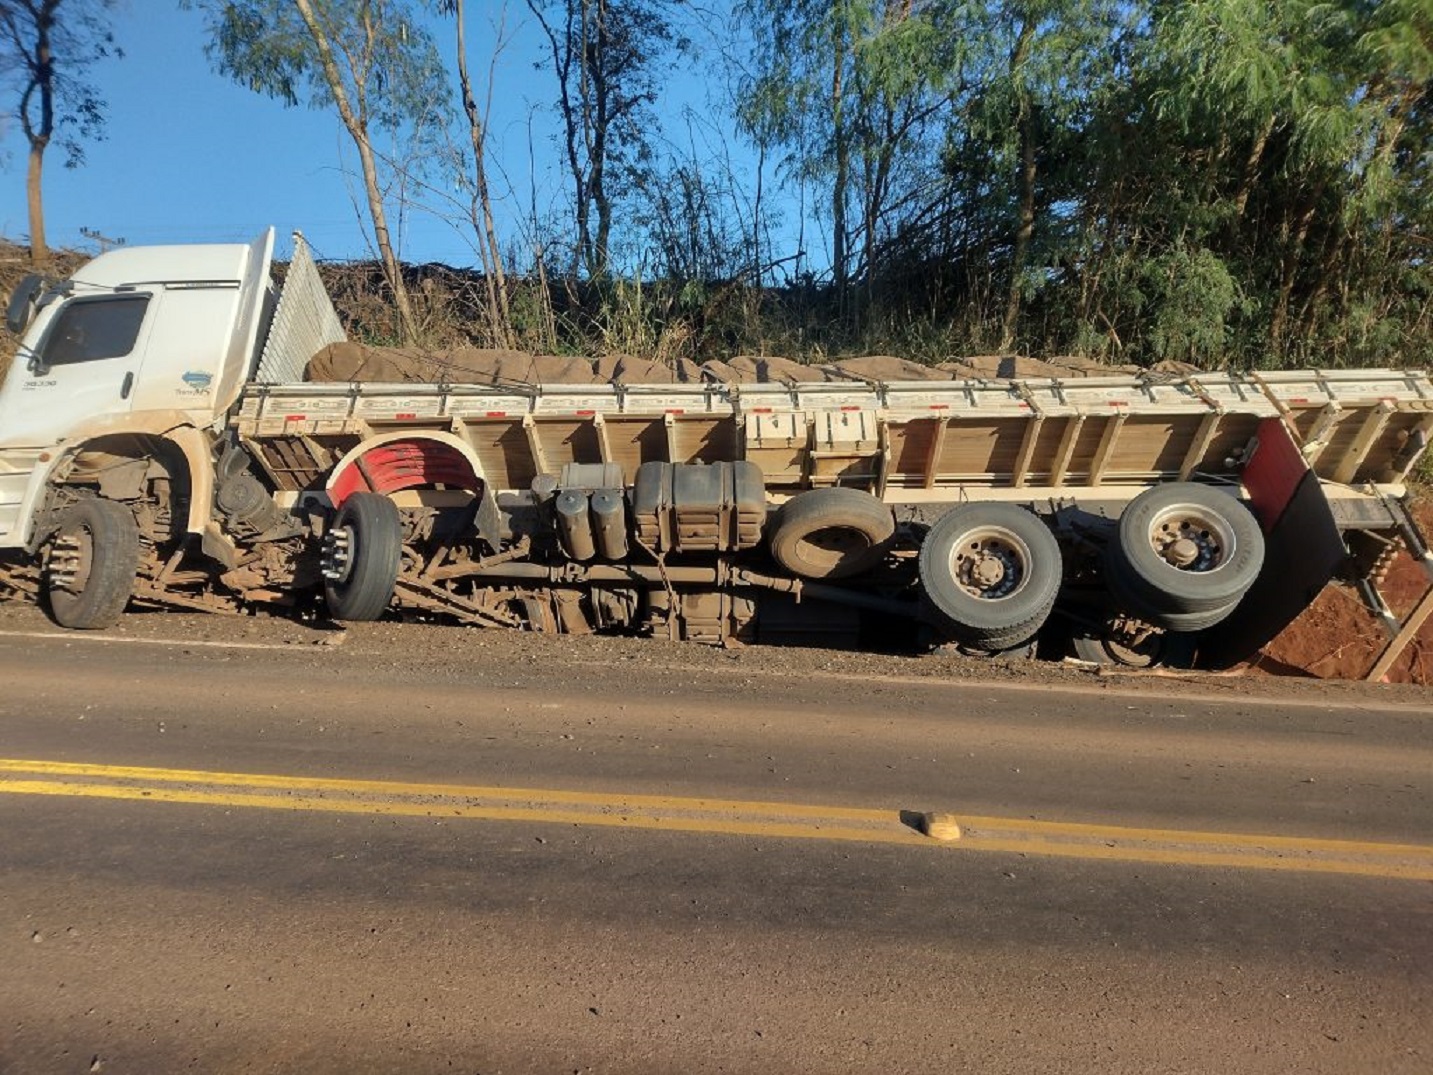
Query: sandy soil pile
(354,362)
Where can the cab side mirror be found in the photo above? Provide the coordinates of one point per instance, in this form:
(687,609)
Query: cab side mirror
(24,303)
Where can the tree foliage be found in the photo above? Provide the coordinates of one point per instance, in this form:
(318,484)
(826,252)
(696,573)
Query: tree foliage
(607,58)
(1206,180)
(46,50)
(1209,181)
(370,61)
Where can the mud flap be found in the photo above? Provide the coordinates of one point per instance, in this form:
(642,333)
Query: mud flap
(1303,549)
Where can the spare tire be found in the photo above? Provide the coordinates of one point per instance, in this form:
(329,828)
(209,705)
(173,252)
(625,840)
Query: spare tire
(990,573)
(362,551)
(1184,555)
(831,533)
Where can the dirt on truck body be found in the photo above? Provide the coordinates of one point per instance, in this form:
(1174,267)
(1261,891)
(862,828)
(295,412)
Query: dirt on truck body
(177,431)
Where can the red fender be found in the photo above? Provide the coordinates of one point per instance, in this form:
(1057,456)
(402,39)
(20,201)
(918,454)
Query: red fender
(393,461)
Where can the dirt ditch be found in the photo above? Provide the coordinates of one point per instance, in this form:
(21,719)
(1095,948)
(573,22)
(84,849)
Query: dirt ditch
(1338,638)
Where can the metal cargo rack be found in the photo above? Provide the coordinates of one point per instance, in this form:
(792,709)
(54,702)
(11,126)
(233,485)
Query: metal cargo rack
(909,441)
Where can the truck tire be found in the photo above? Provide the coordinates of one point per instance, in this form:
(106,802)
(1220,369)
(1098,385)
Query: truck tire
(1172,649)
(1181,622)
(990,574)
(1184,550)
(91,564)
(831,533)
(362,552)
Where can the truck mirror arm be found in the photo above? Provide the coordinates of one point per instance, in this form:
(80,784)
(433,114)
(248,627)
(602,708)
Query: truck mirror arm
(37,364)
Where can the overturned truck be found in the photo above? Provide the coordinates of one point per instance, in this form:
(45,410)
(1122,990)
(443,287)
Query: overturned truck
(179,431)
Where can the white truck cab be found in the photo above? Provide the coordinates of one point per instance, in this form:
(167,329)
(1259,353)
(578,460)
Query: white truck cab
(144,340)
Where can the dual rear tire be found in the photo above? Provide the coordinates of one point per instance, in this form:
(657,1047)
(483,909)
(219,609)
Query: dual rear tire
(1183,556)
(990,574)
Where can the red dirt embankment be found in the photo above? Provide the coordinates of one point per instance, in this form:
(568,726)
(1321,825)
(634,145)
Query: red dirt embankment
(1337,638)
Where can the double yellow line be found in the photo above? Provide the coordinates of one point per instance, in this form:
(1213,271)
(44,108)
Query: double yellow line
(712,816)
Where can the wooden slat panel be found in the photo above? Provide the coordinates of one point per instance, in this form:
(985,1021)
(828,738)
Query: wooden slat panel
(1208,429)
(985,448)
(1065,451)
(636,440)
(1368,434)
(1338,441)
(501,445)
(1087,445)
(1152,444)
(939,428)
(706,440)
(1114,426)
(910,447)
(567,440)
(1235,432)
(780,466)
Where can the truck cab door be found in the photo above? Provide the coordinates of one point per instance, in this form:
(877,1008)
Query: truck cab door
(82,367)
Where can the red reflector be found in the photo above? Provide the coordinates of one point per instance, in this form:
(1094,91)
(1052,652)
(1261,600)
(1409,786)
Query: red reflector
(295,417)
(675,410)
(496,414)
(939,407)
(1300,399)
(850,408)
(406,414)
(761,410)
(585,414)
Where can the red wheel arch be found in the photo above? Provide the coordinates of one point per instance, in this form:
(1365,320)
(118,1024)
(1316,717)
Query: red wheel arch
(406,462)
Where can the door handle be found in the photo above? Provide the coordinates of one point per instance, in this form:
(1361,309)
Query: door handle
(128,384)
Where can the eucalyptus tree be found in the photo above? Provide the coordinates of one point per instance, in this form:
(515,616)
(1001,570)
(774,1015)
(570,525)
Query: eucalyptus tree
(1310,119)
(371,61)
(850,90)
(482,213)
(46,50)
(608,57)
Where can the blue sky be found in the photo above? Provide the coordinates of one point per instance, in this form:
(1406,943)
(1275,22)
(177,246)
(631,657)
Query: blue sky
(192,157)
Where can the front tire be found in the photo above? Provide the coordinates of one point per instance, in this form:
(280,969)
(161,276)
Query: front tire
(91,564)
(362,552)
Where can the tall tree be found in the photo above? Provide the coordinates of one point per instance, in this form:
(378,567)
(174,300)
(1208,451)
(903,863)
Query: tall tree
(47,48)
(849,89)
(482,213)
(607,55)
(1034,75)
(371,61)
(1302,123)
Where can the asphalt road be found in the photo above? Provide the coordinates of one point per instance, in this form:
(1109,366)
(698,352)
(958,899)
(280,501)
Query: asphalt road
(265,847)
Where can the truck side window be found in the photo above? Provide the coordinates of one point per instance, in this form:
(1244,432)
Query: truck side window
(91,329)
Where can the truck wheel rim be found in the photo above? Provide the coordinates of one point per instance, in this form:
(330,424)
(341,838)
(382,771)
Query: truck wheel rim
(336,557)
(70,560)
(832,545)
(990,563)
(1189,537)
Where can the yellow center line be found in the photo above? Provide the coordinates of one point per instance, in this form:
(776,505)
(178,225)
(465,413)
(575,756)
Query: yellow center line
(390,787)
(444,810)
(712,816)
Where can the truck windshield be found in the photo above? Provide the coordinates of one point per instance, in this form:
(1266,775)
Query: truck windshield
(90,329)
